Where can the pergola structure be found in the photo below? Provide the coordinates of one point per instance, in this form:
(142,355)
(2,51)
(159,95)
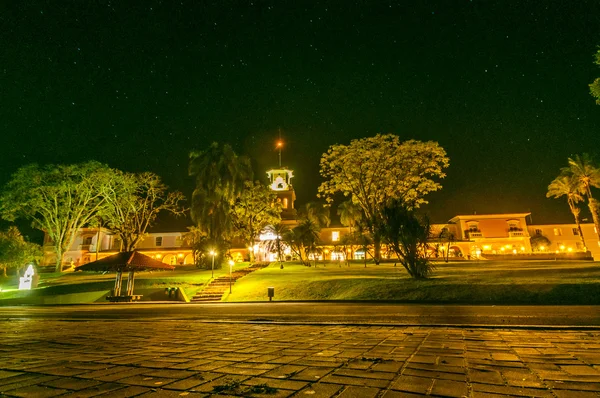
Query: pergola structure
(125,262)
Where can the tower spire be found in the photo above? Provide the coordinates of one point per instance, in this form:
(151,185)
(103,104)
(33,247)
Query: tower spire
(279,145)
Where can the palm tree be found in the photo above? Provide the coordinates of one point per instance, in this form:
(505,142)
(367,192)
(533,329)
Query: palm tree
(350,214)
(568,186)
(276,245)
(317,213)
(220,176)
(587,175)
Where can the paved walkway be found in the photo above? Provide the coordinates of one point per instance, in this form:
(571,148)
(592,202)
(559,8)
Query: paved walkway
(46,358)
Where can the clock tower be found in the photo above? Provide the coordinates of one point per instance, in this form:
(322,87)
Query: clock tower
(280,181)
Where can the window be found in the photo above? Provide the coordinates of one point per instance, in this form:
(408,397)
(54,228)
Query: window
(158,241)
(285,203)
(575,231)
(87,240)
(558,231)
(579,245)
(335,236)
(538,231)
(178,241)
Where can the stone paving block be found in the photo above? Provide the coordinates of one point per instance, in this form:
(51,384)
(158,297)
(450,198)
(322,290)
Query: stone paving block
(26,382)
(58,371)
(575,394)
(71,383)
(413,384)
(277,383)
(449,388)
(355,381)
(312,374)
(170,373)
(580,370)
(388,366)
(572,385)
(359,392)
(211,365)
(18,378)
(237,370)
(172,394)
(220,382)
(522,378)
(367,374)
(508,390)
(432,374)
(400,394)
(96,390)
(36,391)
(196,380)
(146,381)
(128,391)
(5,374)
(485,377)
(320,390)
(284,371)
(121,374)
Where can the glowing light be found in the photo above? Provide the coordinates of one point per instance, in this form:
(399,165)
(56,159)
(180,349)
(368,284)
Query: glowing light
(180,255)
(542,248)
(502,249)
(279,144)
(562,247)
(522,248)
(514,251)
(326,251)
(486,247)
(158,256)
(213,253)
(335,236)
(570,249)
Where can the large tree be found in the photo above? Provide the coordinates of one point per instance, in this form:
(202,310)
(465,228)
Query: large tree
(303,240)
(58,199)
(15,251)
(375,170)
(255,208)
(408,236)
(568,186)
(132,203)
(586,175)
(220,176)
(595,86)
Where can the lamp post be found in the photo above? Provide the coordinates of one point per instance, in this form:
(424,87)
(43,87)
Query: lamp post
(213,253)
(230,271)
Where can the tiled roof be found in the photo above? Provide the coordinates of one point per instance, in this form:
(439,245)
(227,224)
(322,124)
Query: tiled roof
(125,261)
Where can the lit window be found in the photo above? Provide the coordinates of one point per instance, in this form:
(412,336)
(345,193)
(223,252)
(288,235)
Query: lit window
(335,236)
(285,203)
(158,241)
(558,231)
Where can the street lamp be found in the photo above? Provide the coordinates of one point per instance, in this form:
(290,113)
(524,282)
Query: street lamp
(230,271)
(213,253)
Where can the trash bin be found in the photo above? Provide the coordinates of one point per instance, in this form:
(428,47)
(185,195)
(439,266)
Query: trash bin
(271,293)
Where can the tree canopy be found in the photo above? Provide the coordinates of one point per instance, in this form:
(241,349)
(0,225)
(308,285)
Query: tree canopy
(15,251)
(57,199)
(255,208)
(376,170)
(132,203)
(220,177)
(595,86)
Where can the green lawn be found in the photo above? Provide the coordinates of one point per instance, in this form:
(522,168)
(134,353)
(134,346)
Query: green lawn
(492,282)
(188,278)
(523,282)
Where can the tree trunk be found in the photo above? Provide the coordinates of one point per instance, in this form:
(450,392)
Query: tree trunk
(5,271)
(377,245)
(575,212)
(592,204)
(59,257)
(251,255)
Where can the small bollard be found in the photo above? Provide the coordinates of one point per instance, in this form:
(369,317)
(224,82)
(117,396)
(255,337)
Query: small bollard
(271,293)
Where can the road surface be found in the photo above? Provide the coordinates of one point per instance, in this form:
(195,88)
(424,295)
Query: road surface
(331,312)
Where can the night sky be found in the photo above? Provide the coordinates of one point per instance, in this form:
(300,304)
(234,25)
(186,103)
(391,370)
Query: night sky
(501,85)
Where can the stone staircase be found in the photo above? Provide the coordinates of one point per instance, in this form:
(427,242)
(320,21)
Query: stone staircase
(218,286)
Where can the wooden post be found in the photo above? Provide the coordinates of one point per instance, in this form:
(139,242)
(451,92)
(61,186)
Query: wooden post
(130,281)
(118,281)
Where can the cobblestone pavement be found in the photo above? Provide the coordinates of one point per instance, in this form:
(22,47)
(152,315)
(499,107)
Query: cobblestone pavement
(47,358)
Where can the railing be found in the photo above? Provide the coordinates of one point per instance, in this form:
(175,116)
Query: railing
(515,234)
(474,234)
